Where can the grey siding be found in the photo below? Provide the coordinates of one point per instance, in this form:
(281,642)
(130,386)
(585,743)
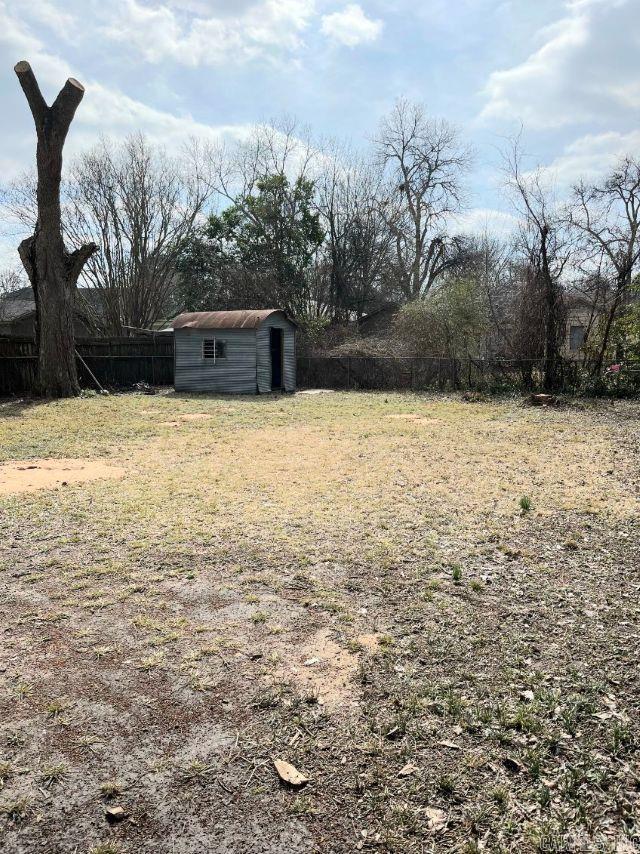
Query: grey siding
(264,354)
(235,374)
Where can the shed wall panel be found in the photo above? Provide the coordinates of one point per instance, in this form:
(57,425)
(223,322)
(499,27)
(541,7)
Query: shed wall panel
(264,353)
(235,374)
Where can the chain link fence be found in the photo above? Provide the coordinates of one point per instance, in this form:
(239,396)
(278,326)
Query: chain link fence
(423,374)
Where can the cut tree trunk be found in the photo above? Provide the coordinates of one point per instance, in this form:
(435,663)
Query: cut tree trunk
(53,271)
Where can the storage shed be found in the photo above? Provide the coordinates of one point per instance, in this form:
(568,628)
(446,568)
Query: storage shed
(235,352)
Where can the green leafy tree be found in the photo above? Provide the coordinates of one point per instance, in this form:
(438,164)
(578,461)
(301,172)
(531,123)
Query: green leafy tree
(275,234)
(452,321)
(205,268)
(259,251)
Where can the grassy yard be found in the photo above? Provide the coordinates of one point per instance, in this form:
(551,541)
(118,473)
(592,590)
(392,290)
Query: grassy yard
(429,607)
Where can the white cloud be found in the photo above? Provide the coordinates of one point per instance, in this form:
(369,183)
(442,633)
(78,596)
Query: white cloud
(584,70)
(104,110)
(592,155)
(60,22)
(490,220)
(260,30)
(351,27)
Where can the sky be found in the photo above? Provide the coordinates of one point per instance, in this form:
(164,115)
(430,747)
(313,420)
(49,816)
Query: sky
(565,71)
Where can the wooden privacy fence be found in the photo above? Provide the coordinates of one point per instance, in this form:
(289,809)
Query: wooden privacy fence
(114,362)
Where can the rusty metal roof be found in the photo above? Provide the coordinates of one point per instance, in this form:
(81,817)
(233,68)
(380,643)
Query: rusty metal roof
(245,319)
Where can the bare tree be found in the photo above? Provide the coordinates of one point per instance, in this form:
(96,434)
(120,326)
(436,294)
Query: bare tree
(10,282)
(52,270)
(358,241)
(488,262)
(607,219)
(425,162)
(544,245)
(280,148)
(140,205)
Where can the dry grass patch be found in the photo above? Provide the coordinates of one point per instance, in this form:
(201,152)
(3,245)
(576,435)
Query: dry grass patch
(165,634)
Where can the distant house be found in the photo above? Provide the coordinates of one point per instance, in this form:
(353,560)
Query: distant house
(235,352)
(582,312)
(579,320)
(18,313)
(380,321)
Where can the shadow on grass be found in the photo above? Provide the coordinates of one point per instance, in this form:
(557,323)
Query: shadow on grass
(14,407)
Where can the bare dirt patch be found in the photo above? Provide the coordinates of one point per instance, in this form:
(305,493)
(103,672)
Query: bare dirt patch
(30,475)
(185,419)
(413,418)
(195,416)
(371,643)
(323,670)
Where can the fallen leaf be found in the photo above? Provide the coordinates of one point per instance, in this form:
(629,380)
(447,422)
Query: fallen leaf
(450,744)
(603,716)
(407,770)
(114,814)
(436,819)
(512,764)
(289,774)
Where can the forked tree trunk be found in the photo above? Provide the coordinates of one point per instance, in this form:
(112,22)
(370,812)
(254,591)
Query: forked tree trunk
(52,270)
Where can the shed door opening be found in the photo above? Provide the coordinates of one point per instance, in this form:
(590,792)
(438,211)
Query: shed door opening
(276,357)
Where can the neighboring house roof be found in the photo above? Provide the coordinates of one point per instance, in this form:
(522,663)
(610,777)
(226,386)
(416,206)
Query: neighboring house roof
(92,298)
(21,294)
(245,319)
(19,304)
(15,309)
(386,308)
(379,320)
(580,301)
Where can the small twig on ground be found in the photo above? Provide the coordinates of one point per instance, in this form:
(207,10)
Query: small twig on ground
(255,768)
